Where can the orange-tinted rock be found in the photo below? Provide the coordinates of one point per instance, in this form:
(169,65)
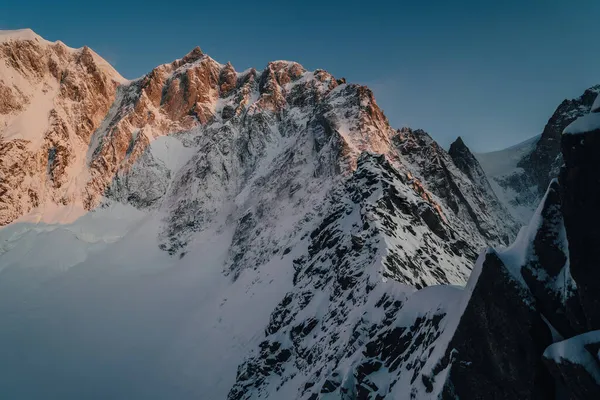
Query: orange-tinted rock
(227,80)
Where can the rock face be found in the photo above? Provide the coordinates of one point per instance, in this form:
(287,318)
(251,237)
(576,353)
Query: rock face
(53,99)
(497,344)
(457,178)
(547,271)
(498,335)
(580,197)
(95,141)
(544,162)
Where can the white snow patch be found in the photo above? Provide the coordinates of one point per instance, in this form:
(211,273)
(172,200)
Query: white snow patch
(586,123)
(574,351)
(516,255)
(110,304)
(502,162)
(33,122)
(596,106)
(171,152)
(20,34)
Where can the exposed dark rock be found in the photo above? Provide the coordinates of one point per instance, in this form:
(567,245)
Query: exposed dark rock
(464,159)
(547,272)
(498,345)
(580,183)
(228,112)
(434,222)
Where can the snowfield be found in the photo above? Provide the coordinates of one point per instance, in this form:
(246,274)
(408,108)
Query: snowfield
(96,301)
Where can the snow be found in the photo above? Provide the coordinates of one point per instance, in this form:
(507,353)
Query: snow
(28,34)
(574,350)
(116,307)
(505,161)
(519,252)
(88,298)
(32,123)
(54,214)
(596,106)
(108,69)
(586,123)
(38,97)
(501,165)
(20,34)
(171,152)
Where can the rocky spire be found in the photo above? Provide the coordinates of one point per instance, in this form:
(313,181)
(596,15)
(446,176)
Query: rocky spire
(192,56)
(463,158)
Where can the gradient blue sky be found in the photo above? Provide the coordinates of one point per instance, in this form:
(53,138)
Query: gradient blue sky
(490,71)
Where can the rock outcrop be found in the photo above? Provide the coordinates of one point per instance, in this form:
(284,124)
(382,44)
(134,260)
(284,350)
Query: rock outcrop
(544,162)
(580,199)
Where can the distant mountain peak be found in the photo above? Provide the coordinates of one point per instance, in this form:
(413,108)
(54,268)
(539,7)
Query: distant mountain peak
(20,34)
(194,55)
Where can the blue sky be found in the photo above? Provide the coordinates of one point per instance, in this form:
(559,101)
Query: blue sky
(490,71)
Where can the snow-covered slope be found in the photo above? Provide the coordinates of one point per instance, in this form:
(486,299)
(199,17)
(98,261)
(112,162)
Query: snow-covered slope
(203,233)
(501,168)
(503,162)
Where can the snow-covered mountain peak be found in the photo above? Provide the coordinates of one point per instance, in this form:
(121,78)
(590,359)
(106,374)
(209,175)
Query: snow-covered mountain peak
(20,34)
(26,43)
(52,98)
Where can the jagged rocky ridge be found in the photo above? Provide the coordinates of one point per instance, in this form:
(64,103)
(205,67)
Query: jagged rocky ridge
(520,174)
(230,120)
(525,326)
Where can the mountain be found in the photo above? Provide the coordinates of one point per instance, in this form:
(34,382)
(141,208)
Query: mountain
(52,99)
(521,173)
(206,233)
(526,325)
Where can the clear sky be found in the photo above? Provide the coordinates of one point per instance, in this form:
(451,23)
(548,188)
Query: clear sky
(490,71)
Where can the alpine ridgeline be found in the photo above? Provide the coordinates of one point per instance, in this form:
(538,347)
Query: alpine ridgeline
(520,174)
(205,233)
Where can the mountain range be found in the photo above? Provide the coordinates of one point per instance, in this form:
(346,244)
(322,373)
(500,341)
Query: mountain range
(201,232)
